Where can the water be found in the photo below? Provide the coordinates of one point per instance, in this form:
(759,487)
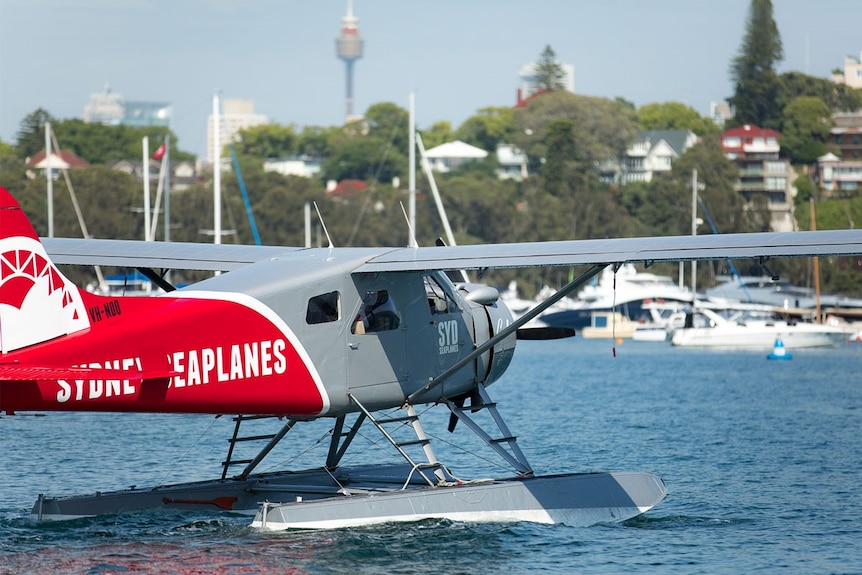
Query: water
(762,460)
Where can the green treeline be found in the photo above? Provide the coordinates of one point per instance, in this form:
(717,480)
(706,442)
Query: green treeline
(566,138)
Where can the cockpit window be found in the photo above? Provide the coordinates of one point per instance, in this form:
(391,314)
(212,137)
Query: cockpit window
(439,299)
(378,313)
(323,308)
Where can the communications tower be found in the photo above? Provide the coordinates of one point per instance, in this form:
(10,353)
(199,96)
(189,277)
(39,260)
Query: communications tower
(348,47)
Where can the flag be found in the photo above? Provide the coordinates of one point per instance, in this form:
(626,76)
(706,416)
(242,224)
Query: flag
(157,155)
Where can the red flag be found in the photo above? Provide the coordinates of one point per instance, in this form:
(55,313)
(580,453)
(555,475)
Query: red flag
(157,155)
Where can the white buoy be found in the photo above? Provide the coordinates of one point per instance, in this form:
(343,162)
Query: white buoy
(778,351)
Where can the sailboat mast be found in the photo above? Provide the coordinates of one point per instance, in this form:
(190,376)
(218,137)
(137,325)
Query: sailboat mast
(216,171)
(816,267)
(49,179)
(411,204)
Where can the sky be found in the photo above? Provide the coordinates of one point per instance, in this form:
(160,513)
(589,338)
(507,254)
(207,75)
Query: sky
(455,56)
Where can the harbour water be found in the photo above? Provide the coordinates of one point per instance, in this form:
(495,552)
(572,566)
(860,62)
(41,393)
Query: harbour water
(762,461)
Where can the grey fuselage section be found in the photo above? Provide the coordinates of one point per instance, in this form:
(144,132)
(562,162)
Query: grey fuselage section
(376,336)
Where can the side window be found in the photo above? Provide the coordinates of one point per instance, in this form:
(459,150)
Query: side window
(323,308)
(438,299)
(378,313)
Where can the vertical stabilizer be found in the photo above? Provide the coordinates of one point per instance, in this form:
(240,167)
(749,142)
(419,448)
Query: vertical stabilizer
(37,303)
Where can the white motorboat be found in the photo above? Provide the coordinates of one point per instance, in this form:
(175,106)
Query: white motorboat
(663,318)
(625,291)
(753,330)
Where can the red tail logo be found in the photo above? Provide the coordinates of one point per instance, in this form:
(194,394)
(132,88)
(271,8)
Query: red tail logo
(36,302)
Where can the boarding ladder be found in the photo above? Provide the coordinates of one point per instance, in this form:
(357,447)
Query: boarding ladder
(409,417)
(272,440)
(505,445)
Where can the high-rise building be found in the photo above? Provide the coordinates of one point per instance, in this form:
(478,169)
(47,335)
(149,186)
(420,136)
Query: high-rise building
(236,115)
(348,47)
(110,108)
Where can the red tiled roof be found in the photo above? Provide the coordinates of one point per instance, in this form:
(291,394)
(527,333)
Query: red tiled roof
(749,131)
(68,157)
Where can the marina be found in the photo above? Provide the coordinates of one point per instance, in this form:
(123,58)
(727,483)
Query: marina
(760,459)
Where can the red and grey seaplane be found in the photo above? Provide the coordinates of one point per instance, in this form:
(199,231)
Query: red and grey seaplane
(360,337)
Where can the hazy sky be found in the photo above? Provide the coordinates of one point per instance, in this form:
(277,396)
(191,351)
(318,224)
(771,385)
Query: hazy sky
(457,56)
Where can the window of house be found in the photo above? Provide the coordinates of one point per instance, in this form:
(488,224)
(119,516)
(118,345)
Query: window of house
(323,308)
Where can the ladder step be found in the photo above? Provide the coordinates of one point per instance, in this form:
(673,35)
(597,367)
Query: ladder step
(397,419)
(414,442)
(504,439)
(252,417)
(236,462)
(251,438)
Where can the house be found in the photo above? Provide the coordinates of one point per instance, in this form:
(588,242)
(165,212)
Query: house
(836,175)
(511,163)
(852,73)
(652,152)
(846,134)
(58,161)
(446,157)
(304,166)
(183,174)
(762,172)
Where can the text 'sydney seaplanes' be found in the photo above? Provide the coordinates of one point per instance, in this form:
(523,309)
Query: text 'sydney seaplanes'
(358,336)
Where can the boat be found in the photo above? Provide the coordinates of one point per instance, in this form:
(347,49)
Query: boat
(706,327)
(609,324)
(776,292)
(664,317)
(625,291)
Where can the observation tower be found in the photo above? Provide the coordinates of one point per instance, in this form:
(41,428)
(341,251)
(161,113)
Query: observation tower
(348,47)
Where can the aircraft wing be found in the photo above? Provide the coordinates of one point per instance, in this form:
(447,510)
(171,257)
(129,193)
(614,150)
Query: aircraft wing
(157,255)
(226,257)
(622,250)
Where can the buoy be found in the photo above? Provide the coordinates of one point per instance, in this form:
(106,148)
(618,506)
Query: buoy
(778,351)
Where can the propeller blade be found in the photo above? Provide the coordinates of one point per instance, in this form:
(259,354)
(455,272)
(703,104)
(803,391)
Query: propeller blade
(540,333)
(453,419)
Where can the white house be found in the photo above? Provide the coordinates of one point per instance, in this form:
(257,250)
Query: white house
(304,166)
(448,156)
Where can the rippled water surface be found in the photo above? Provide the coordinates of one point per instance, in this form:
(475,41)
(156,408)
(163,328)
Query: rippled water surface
(762,461)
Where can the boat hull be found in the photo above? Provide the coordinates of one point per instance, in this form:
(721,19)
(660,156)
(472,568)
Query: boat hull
(750,337)
(575,499)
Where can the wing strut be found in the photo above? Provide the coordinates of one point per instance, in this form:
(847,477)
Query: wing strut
(512,328)
(157,279)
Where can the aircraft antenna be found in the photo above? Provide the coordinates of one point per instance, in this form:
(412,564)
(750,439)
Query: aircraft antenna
(322,223)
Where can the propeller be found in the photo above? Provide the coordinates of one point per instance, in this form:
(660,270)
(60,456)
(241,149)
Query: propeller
(475,399)
(545,332)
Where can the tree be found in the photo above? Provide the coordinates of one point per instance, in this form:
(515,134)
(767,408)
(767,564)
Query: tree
(839,97)
(365,158)
(560,145)
(389,123)
(807,121)
(30,139)
(549,72)
(756,85)
(487,128)
(605,128)
(438,133)
(267,141)
(675,116)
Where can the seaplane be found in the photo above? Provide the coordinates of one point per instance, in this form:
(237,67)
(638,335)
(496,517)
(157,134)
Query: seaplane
(359,337)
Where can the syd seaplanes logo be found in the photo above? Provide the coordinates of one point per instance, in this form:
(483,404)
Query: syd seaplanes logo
(36,302)
(447,337)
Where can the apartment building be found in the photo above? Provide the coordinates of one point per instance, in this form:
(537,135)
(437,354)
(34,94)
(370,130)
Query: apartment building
(762,172)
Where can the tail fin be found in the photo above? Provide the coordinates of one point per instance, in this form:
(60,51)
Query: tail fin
(37,303)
